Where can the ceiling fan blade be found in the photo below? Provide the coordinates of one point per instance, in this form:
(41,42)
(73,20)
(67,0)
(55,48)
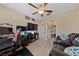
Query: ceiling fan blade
(45,4)
(48,11)
(34,13)
(41,15)
(33,5)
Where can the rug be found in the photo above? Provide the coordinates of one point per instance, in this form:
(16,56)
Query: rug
(23,52)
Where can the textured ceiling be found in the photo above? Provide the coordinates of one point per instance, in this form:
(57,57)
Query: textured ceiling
(58,9)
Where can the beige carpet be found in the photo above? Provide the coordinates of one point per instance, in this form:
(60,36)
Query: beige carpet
(41,47)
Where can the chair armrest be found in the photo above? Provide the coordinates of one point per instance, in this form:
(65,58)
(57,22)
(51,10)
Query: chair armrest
(62,43)
(56,52)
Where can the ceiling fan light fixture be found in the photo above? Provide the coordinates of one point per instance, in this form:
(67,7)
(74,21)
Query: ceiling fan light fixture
(40,11)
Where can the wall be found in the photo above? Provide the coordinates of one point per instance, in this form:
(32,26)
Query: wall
(13,17)
(41,29)
(68,22)
(44,31)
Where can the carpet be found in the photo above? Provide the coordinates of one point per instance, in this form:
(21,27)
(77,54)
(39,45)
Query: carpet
(23,52)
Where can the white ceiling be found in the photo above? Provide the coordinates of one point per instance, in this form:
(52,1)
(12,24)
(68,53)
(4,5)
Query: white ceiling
(58,8)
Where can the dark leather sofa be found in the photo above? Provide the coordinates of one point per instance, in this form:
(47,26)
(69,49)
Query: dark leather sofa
(59,45)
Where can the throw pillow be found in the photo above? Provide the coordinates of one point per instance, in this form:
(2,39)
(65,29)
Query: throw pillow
(64,37)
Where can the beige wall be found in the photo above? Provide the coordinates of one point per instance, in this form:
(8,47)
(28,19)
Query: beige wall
(44,30)
(41,29)
(13,17)
(68,22)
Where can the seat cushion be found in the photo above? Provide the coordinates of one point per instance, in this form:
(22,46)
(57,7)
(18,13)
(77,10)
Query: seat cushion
(56,52)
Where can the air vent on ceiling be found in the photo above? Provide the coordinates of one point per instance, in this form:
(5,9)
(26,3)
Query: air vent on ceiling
(27,17)
(33,19)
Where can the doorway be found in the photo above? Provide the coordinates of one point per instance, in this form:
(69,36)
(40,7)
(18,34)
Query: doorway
(51,28)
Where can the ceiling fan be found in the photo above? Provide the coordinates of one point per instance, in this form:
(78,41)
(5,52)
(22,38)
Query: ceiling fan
(41,10)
